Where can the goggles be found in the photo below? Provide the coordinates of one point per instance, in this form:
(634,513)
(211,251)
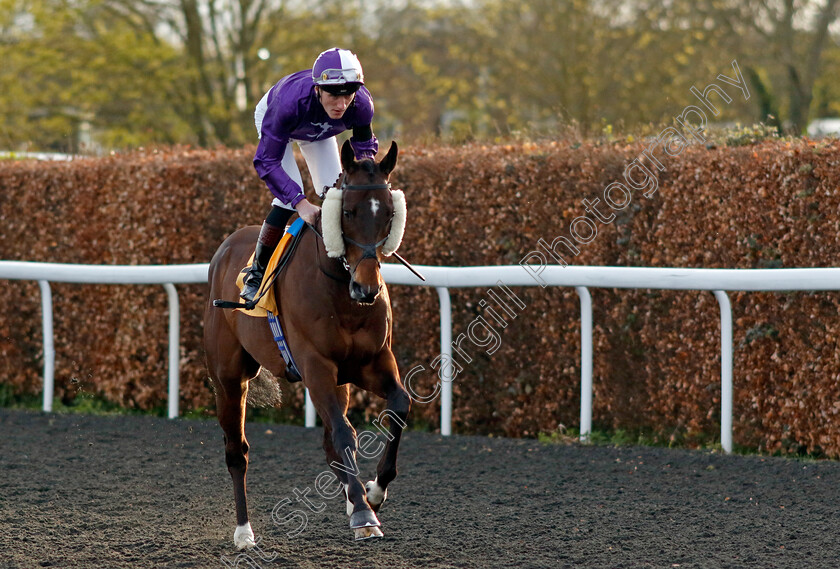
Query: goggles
(339,77)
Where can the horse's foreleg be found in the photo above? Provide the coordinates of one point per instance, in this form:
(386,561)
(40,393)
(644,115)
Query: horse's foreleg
(333,458)
(344,445)
(386,471)
(331,407)
(341,471)
(398,404)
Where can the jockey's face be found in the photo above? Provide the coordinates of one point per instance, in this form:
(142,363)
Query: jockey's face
(335,105)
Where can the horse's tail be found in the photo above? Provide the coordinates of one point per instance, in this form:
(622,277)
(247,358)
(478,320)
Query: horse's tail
(264,390)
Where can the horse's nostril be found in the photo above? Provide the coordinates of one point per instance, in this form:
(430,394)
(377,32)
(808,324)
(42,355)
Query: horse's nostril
(364,294)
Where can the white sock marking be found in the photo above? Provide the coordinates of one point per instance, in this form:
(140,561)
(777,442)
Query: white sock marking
(375,494)
(243,537)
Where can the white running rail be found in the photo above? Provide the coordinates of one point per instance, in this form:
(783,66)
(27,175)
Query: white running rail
(443,278)
(168,276)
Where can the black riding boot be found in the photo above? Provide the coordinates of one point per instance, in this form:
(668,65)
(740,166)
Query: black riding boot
(270,234)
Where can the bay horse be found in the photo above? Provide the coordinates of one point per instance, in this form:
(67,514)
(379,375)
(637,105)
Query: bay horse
(336,313)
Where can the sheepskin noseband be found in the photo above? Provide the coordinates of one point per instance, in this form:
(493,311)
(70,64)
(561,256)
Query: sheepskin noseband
(397,224)
(331,223)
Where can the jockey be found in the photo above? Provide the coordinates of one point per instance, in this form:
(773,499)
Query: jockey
(308,107)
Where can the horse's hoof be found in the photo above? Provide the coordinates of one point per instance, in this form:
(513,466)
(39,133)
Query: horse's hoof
(364,519)
(375,494)
(243,537)
(367,533)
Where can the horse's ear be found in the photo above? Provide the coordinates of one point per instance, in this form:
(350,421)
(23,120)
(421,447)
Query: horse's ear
(390,161)
(348,157)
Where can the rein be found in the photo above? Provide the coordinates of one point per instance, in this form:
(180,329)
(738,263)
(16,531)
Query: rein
(318,252)
(218,303)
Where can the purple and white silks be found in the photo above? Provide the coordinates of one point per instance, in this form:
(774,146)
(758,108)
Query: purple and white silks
(291,111)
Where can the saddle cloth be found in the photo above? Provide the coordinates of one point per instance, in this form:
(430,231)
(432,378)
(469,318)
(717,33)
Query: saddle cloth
(268,303)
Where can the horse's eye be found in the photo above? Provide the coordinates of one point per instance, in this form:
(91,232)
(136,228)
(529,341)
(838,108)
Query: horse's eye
(348,214)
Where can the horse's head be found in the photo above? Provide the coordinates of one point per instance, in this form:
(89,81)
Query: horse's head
(363,220)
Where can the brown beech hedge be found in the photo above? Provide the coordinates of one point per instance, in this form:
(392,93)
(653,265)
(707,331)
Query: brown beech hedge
(657,363)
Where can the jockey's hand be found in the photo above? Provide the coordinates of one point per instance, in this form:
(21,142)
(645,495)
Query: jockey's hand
(308,212)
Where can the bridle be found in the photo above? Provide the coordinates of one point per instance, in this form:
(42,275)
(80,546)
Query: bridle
(368,249)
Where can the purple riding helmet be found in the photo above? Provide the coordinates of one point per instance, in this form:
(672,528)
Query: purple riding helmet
(338,72)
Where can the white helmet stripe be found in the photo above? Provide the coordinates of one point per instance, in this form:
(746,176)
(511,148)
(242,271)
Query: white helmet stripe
(349,61)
